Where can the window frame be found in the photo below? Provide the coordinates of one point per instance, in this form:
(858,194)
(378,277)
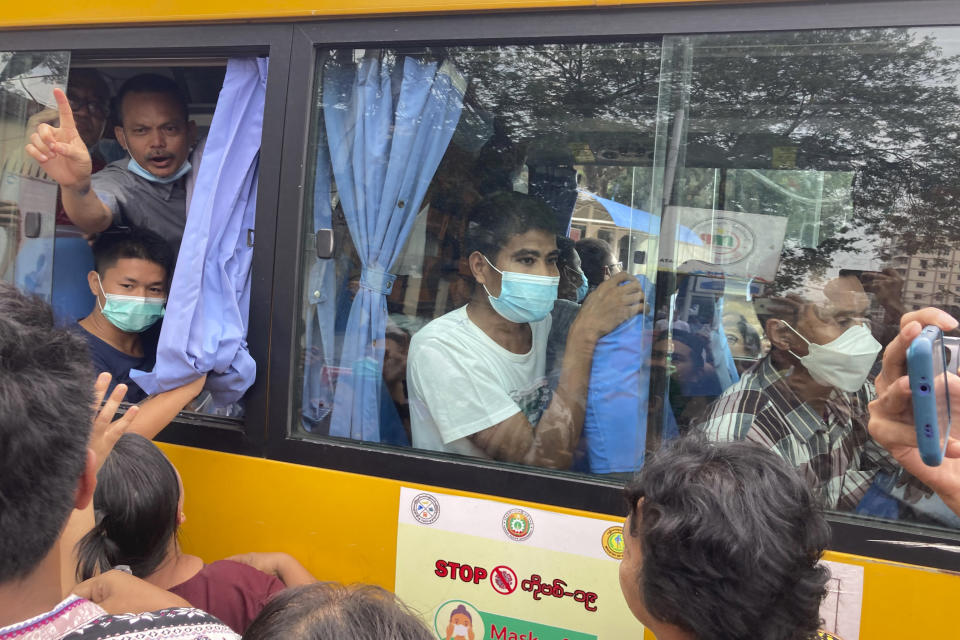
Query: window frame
(171,43)
(851,534)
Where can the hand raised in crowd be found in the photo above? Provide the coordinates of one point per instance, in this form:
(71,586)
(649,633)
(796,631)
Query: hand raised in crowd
(106,431)
(117,592)
(611,304)
(60,151)
(891,414)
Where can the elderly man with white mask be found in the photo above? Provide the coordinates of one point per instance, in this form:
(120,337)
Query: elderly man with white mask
(807,399)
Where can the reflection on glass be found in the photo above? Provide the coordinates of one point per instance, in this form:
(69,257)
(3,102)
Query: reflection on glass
(575,135)
(781,199)
(814,168)
(28,199)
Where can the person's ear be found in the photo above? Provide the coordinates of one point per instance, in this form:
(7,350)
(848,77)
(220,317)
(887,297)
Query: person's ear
(87,483)
(781,336)
(478,267)
(93,281)
(121,137)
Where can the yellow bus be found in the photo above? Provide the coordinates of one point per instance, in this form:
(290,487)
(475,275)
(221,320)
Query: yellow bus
(719,149)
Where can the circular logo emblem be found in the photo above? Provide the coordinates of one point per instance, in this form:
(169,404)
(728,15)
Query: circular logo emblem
(425,508)
(503,579)
(729,241)
(612,542)
(518,524)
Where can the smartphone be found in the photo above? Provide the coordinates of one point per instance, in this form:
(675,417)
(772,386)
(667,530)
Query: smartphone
(927,370)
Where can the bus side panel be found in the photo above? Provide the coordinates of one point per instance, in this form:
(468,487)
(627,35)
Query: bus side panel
(343,526)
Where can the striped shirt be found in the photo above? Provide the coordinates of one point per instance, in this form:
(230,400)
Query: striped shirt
(831,449)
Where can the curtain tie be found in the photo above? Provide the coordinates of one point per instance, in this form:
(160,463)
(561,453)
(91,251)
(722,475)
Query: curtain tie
(377,280)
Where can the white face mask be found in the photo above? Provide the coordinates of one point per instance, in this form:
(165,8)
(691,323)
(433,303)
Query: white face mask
(843,363)
(460,631)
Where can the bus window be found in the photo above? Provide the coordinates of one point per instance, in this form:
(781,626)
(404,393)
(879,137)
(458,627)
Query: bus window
(27,198)
(819,174)
(772,197)
(159,210)
(518,143)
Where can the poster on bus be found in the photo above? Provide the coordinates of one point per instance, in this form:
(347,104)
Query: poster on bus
(487,570)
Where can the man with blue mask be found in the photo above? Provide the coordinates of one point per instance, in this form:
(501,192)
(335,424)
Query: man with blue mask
(146,190)
(476,376)
(807,399)
(130,282)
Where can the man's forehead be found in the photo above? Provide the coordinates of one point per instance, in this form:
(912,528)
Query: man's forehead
(843,294)
(84,90)
(142,103)
(88,85)
(132,268)
(534,240)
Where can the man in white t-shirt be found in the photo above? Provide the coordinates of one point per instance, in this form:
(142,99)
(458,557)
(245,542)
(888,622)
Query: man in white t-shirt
(476,375)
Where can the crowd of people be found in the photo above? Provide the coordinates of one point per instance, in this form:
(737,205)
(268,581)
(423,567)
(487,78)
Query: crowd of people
(727,522)
(730,511)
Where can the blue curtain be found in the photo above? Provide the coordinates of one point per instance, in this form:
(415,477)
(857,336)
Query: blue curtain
(387,129)
(205,327)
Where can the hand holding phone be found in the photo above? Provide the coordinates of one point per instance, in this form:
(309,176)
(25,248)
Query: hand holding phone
(927,370)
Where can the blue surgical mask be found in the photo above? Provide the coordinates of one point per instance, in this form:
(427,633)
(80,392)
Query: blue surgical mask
(523,297)
(134,167)
(583,288)
(133,314)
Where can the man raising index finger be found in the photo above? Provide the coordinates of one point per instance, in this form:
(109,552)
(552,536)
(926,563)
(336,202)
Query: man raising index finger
(145,190)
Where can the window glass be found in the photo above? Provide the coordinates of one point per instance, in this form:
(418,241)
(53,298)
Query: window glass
(818,172)
(419,160)
(777,199)
(27,198)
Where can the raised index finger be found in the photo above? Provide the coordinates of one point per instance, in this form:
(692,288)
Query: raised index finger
(63,106)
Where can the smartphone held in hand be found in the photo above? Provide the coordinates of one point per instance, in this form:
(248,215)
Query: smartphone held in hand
(927,369)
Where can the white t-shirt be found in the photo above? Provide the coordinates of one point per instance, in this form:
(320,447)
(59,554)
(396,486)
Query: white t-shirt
(460,382)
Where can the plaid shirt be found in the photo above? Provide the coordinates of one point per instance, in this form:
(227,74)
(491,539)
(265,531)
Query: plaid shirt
(832,450)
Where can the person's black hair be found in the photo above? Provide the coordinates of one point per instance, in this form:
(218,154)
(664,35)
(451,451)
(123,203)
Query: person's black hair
(594,254)
(331,611)
(696,343)
(135,505)
(150,83)
(92,78)
(137,243)
(731,539)
(46,412)
(499,217)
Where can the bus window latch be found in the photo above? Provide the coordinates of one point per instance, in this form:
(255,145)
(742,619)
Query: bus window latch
(32,224)
(324,241)
(250,238)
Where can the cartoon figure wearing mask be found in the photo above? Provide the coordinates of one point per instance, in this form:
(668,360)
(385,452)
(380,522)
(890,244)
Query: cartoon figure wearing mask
(461,624)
